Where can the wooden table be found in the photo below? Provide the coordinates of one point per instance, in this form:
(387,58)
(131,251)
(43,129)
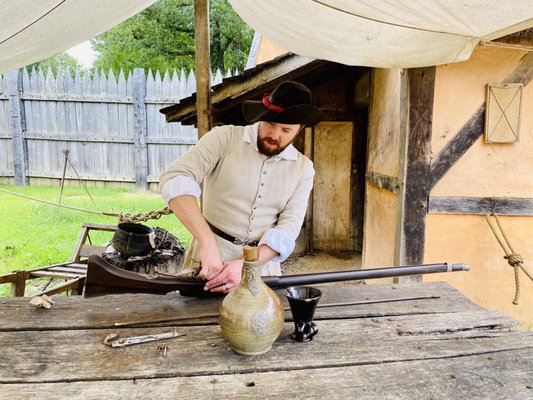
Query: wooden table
(444,348)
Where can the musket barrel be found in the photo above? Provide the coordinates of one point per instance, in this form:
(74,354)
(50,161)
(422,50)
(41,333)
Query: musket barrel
(360,274)
(104,278)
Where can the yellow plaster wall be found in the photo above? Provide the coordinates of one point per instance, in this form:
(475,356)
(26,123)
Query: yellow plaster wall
(379,228)
(460,89)
(490,282)
(485,170)
(267,51)
(383,158)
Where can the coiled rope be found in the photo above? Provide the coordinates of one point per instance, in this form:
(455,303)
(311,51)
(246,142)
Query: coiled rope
(122,217)
(514,259)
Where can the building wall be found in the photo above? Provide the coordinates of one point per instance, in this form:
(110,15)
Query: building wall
(332,197)
(485,170)
(383,158)
(268,51)
(379,229)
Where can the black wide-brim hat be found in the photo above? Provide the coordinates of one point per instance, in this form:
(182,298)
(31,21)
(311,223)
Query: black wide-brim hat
(289,103)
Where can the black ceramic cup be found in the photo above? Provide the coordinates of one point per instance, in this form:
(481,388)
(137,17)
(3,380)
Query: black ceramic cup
(303,301)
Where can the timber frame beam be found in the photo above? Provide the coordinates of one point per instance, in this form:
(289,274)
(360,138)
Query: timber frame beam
(383,181)
(418,88)
(480,205)
(418,174)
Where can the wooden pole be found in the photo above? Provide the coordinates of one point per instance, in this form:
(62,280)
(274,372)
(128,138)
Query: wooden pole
(17,126)
(203,66)
(19,286)
(416,124)
(140,130)
(399,238)
(309,148)
(65,152)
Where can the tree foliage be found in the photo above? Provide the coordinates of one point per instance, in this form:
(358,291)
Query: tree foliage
(161,37)
(59,61)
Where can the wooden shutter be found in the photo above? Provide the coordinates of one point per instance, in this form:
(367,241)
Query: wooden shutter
(502,116)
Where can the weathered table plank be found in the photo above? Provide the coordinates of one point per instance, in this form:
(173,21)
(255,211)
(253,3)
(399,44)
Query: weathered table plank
(502,375)
(102,312)
(47,356)
(440,348)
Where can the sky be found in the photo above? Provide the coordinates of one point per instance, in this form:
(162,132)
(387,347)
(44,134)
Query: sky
(83,53)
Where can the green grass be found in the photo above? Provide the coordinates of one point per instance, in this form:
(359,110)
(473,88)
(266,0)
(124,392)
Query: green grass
(34,234)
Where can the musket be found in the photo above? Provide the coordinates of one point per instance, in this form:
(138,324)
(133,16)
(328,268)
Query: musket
(104,278)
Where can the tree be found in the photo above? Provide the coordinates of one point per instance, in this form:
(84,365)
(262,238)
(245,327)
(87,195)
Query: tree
(59,61)
(161,37)
(230,37)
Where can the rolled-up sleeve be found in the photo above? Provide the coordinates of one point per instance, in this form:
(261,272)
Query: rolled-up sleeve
(180,186)
(282,237)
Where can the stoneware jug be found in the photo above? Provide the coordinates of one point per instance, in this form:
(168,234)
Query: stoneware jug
(251,316)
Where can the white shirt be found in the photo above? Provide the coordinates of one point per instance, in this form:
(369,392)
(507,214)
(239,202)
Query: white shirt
(247,194)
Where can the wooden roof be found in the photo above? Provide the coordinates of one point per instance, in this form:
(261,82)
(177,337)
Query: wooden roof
(227,97)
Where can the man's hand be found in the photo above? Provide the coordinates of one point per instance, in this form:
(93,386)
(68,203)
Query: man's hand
(210,261)
(228,278)
(188,212)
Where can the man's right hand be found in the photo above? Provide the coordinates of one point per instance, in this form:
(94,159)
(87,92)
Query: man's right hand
(188,212)
(210,261)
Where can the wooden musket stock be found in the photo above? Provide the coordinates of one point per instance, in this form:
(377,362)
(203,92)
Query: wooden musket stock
(104,278)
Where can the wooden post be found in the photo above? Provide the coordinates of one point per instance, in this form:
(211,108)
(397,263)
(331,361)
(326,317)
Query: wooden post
(203,66)
(19,286)
(400,193)
(309,144)
(416,122)
(65,152)
(17,125)
(140,158)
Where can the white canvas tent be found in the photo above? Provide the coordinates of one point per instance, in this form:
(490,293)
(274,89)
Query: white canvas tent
(386,34)
(32,30)
(403,33)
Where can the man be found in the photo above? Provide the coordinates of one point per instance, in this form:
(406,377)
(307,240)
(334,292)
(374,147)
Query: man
(256,187)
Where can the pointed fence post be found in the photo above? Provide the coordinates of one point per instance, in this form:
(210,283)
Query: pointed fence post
(17,126)
(140,158)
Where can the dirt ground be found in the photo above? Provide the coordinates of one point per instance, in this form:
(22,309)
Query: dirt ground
(321,262)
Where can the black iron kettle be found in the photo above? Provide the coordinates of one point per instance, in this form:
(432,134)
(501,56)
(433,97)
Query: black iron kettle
(132,239)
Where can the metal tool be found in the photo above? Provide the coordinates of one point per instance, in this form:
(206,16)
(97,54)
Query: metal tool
(113,339)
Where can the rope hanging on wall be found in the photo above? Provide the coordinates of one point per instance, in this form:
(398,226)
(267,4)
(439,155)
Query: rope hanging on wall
(514,259)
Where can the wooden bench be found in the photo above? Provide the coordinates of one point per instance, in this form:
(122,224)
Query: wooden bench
(71,274)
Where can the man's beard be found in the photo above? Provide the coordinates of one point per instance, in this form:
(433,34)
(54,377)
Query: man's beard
(267,151)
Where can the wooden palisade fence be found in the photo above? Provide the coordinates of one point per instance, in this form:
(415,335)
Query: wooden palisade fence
(112,128)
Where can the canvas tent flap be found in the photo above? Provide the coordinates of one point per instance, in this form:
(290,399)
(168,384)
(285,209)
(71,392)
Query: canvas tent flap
(389,34)
(32,30)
